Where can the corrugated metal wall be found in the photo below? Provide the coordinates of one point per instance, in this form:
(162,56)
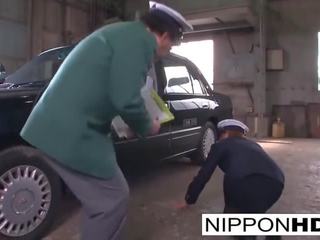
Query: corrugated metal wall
(27,27)
(57,22)
(13,32)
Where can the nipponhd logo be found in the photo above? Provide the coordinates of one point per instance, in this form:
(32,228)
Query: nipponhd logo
(260,224)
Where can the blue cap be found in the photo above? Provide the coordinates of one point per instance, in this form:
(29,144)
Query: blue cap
(232,124)
(179,19)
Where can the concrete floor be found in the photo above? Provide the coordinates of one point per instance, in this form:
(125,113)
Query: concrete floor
(156,188)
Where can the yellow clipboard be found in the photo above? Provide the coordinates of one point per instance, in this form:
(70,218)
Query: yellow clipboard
(162,106)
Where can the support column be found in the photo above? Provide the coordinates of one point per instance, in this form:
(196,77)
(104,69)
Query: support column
(37,19)
(261,120)
(134,8)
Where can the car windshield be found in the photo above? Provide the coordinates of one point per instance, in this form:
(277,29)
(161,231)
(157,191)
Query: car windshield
(40,69)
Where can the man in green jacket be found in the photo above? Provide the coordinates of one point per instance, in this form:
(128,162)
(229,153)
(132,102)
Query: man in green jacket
(100,79)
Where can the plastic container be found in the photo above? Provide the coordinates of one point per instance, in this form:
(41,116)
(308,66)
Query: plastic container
(278,129)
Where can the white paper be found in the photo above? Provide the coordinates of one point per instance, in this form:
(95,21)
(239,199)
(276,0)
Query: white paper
(122,129)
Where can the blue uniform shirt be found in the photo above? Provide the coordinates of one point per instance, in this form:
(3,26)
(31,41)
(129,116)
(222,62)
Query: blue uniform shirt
(237,157)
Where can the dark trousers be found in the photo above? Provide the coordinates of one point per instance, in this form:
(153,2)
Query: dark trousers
(251,194)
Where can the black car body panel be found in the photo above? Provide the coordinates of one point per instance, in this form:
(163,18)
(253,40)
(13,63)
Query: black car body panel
(20,91)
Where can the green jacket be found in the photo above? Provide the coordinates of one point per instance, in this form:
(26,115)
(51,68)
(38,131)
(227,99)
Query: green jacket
(101,78)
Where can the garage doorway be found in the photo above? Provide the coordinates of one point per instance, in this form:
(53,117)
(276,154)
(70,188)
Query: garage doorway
(201,54)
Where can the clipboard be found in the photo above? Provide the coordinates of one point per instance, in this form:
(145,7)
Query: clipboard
(155,106)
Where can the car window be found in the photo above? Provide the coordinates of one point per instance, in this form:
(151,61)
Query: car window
(40,69)
(178,80)
(198,87)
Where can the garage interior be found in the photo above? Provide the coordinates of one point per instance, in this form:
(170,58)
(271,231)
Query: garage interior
(257,48)
(265,58)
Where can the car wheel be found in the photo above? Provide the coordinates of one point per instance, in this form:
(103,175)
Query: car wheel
(30,191)
(208,137)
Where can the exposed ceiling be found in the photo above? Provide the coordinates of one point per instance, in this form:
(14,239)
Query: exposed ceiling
(216,15)
(222,19)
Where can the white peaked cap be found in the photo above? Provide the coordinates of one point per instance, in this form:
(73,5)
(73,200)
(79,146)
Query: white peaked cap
(185,26)
(233,123)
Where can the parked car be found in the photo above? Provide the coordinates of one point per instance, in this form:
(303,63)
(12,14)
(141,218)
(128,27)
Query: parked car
(30,189)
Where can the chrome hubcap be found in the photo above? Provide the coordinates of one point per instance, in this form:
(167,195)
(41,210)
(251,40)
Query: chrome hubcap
(208,140)
(25,198)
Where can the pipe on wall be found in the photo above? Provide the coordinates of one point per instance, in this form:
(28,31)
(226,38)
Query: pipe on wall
(64,21)
(29,29)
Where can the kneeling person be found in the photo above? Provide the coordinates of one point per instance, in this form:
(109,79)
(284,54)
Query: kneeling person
(253,182)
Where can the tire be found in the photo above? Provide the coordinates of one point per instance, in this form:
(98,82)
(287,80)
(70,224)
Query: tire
(208,137)
(30,194)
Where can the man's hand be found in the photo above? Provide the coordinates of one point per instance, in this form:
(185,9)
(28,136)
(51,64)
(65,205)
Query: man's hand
(155,127)
(181,205)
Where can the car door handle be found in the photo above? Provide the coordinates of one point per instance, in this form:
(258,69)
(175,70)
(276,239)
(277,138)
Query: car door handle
(28,99)
(205,106)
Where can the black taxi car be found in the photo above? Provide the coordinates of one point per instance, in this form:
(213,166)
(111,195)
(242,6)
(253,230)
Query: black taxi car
(30,190)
